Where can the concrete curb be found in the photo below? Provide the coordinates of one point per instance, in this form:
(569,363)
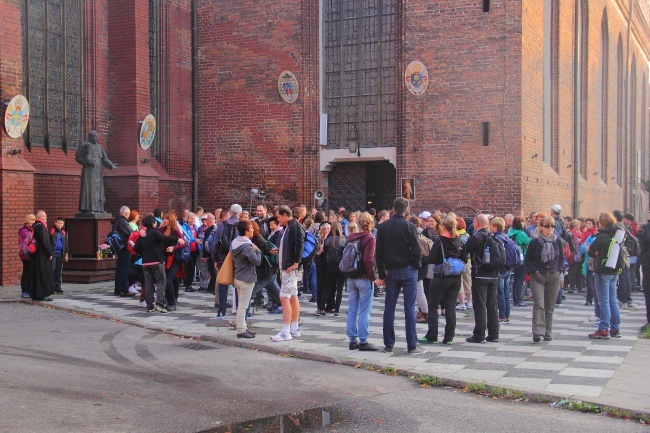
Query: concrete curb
(529,396)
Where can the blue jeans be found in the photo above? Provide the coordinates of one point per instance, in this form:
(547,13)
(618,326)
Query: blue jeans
(518,284)
(311,280)
(610,316)
(504,295)
(407,280)
(359,305)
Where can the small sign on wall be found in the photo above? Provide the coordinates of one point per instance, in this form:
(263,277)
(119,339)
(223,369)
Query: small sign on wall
(288,87)
(17,116)
(416,78)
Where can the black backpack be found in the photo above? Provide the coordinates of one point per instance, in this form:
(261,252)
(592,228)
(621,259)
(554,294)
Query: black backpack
(221,248)
(497,254)
(632,244)
(351,264)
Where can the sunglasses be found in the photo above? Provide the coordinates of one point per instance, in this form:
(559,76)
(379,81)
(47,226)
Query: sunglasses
(548,226)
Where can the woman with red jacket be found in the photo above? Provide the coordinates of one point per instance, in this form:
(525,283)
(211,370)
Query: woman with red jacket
(173,267)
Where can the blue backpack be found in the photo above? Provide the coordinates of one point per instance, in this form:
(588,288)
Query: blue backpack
(514,254)
(311,244)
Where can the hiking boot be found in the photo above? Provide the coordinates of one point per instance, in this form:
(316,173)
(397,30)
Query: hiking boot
(614,333)
(601,334)
(367,347)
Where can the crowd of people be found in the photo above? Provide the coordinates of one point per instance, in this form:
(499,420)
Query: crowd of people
(441,263)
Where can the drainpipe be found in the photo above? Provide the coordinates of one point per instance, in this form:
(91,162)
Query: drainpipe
(627,182)
(195,113)
(577,96)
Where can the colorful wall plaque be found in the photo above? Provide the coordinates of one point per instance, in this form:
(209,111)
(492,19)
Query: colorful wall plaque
(288,87)
(17,116)
(416,78)
(147,131)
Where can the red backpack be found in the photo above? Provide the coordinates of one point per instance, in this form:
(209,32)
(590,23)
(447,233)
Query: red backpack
(27,246)
(133,238)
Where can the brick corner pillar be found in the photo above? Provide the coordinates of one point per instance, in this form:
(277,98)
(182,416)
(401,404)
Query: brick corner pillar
(16,174)
(134,183)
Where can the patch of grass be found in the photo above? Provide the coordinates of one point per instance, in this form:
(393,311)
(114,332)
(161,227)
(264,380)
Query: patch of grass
(617,413)
(429,381)
(476,387)
(288,355)
(645,332)
(515,394)
(496,391)
(388,371)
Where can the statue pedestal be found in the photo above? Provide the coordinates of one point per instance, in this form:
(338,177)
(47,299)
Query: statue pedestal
(85,233)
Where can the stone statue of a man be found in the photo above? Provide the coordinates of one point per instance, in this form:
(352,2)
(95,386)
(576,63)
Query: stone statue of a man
(92,158)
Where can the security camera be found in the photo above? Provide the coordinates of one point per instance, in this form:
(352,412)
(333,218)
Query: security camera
(254,191)
(261,194)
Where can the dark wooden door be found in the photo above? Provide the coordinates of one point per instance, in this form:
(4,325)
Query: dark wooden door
(380,185)
(347,186)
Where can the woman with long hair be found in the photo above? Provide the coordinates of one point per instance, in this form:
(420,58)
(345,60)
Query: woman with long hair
(545,261)
(444,288)
(329,299)
(267,270)
(321,262)
(173,267)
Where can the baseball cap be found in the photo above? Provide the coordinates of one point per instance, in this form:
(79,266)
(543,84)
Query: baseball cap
(204,217)
(425,214)
(556,208)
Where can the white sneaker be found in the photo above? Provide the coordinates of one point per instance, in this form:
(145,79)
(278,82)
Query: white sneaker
(143,304)
(470,305)
(295,333)
(594,319)
(461,307)
(282,336)
(134,289)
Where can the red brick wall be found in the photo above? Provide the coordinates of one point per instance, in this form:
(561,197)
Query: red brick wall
(248,136)
(472,67)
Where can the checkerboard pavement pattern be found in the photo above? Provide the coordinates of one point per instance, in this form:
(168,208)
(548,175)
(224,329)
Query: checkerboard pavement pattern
(571,364)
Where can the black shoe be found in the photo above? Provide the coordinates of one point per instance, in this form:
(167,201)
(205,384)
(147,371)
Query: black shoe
(376,293)
(475,339)
(126,295)
(492,339)
(548,338)
(588,303)
(313,300)
(367,347)
(47,299)
(537,338)
(228,304)
(190,289)
(58,292)
(353,346)
(202,289)
(245,334)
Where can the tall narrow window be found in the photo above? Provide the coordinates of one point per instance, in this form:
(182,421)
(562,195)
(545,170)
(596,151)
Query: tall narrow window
(633,121)
(154,66)
(52,62)
(620,72)
(551,38)
(644,140)
(360,71)
(584,68)
(604,90)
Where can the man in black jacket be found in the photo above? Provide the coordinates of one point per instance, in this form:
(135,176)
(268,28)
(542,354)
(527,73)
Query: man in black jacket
(644,261)
(398,259)
(291,246)
(484,286)
(122,228)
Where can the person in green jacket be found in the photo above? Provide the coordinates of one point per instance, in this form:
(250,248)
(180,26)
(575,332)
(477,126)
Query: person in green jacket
(518,234)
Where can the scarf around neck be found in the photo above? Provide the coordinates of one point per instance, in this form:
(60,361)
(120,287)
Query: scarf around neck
(42,222)
(548,252)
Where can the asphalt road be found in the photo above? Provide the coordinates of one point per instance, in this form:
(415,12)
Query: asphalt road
(61,372)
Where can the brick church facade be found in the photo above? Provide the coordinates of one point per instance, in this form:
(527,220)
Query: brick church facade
(528,103)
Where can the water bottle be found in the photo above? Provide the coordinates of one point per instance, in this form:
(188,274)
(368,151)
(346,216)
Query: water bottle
(486,255)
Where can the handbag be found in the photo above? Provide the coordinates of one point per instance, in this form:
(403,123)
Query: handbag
(451,267)
(226,275)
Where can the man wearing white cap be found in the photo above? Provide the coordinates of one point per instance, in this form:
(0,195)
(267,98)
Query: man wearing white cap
(425,214)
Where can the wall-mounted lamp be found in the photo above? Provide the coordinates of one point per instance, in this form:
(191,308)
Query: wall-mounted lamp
(534,156)
(15,151)
(145,160)
(353,140)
